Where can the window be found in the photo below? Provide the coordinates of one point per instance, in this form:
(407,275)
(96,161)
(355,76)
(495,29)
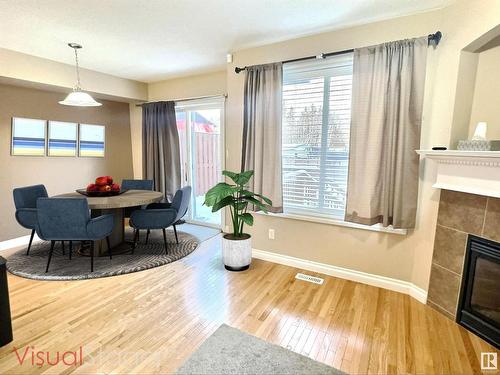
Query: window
(316,122)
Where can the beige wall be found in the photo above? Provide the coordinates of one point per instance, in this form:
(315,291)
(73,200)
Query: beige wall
(372,252)
(486,101)
(59,174)
(55,76)
(136,135)
(173,89)
(407,258)
(189,87)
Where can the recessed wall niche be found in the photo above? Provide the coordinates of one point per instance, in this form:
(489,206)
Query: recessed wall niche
(478,89)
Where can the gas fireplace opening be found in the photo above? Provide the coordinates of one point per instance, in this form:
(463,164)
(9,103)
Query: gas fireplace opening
(479,303)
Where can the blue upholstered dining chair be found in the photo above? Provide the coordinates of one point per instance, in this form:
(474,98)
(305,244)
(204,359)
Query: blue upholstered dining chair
(69,219)
(180,204)
(135,185)
(25,202)
(151,219)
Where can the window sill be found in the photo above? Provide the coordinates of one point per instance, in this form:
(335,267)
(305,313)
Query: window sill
(341,223)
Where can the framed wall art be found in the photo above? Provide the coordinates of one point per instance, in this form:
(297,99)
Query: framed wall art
(92,140)
(28,137)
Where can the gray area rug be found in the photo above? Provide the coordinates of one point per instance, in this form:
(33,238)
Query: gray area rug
(230,351)
(61,268)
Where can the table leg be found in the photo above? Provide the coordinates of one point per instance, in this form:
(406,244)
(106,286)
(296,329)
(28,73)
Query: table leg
(116,238)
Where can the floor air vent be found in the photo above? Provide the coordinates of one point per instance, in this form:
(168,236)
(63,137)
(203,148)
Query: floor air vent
(311,279)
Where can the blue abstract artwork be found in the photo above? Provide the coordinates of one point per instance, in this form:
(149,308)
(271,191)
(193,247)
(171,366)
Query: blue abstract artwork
(62,138)
(92,140)
(28,137)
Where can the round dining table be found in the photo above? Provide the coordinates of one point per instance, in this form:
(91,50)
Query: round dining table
(116,205)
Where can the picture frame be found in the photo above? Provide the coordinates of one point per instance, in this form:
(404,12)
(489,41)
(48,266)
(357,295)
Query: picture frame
(62,139)
(28,137)
(92,140)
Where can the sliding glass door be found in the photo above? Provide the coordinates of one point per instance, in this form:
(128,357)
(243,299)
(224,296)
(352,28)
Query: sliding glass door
(200,124)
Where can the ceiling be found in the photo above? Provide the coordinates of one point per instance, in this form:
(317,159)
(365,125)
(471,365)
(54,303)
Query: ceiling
(157,39)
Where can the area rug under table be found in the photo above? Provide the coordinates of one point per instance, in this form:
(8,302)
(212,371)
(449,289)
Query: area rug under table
(148,256)
(230,351)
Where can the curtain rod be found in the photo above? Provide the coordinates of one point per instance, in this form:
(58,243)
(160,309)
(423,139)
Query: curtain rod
(436,37)
(185,99)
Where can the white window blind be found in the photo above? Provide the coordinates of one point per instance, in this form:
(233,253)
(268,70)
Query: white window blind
(316,123)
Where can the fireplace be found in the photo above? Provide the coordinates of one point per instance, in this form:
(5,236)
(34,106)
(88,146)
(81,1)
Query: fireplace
(479,301)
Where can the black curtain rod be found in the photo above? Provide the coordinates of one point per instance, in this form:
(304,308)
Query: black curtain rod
(436,37)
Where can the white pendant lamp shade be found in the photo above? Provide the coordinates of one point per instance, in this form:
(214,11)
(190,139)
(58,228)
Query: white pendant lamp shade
(78,97)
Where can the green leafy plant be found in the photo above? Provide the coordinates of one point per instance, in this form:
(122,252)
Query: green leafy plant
(237,197)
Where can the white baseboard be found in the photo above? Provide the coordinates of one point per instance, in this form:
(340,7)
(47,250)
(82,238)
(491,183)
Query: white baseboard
(16,242)
(344,273)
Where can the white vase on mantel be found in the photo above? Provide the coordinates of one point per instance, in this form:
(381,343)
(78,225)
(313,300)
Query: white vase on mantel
(237,252)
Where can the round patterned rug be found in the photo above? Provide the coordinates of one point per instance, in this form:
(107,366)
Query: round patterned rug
(78,268)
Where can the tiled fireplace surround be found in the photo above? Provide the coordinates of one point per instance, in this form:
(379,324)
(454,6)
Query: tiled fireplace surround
(459,215)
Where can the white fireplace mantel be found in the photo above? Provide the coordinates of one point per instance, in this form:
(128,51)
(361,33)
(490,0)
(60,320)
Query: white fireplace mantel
(475,172)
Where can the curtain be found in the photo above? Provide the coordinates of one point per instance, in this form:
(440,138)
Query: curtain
(262,131)
(160,147)
(387,97)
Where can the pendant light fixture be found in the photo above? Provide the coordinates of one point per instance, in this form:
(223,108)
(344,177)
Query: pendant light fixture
(78,97)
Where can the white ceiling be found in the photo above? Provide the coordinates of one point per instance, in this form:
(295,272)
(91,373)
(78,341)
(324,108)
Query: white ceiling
(149,40)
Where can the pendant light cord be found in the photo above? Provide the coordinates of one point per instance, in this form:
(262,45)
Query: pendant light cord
(77,70)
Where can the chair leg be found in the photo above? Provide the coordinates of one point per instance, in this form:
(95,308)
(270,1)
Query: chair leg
(52,244)
(70,249)
(31,241)
(64,253)
(175,232)
(134,242)
(147,236)
(92,256)
(165,240)
(109,248)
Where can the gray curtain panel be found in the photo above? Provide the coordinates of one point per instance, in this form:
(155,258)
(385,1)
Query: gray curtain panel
(262,131)
(387,97)
(160,147)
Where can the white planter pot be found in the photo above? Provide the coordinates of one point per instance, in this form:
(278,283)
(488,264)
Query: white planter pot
(236,254)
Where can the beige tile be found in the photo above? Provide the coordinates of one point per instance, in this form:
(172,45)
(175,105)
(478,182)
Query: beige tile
(441,310)
(492,221)
(449,248)
(462,211)
(443,289)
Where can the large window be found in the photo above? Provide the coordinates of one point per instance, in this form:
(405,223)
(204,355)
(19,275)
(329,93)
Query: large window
(316,122)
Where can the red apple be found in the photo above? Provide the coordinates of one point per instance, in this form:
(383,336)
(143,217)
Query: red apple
(91,187)
(110,180)
(105,188)
(101,181)
(115,187)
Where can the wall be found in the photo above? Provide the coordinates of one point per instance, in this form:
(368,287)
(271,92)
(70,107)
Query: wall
(188,87)
(59,174)
(378,253)
(31,70)
(173,89)
(407,258)
(485,103)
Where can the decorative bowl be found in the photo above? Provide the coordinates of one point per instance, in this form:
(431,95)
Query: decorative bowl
(100,193)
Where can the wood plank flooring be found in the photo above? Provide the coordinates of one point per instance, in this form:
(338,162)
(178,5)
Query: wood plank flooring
(151,321)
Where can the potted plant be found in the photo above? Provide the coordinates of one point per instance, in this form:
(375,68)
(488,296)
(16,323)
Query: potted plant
(236,246)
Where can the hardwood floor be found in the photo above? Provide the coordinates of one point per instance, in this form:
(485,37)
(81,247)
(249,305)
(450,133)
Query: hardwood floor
(151,321)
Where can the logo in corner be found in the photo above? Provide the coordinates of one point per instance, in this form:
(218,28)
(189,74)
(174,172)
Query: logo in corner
(489,361)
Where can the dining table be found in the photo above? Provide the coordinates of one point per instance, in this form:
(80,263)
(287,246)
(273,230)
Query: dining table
(116,206)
